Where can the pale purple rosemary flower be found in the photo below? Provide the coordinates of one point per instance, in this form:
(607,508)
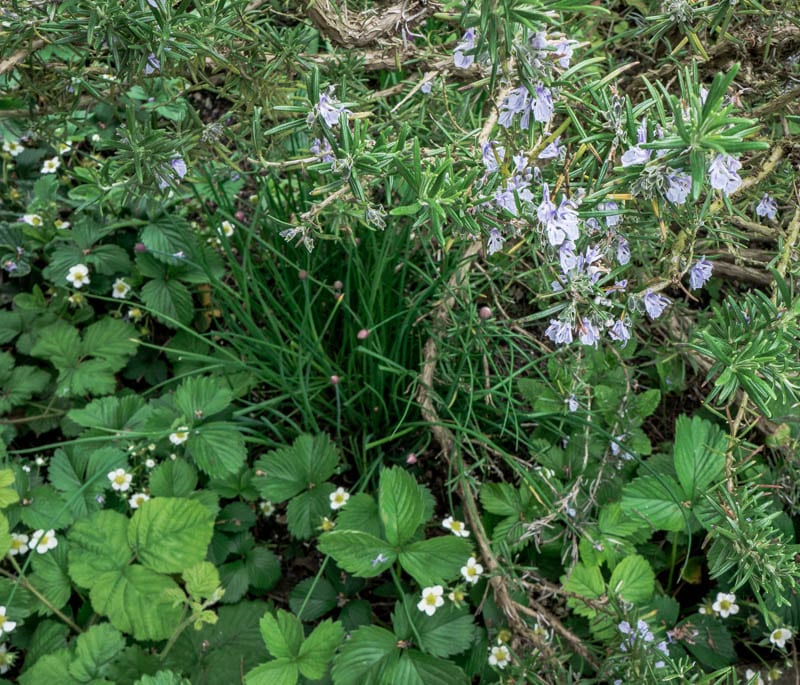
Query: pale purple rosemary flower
(322,149)
(567,257)
(493,155)
(514,103)
(679,187)
(152,64)
(330,108)
(541,105)
(655,304)
(612,219)
(588,334)
(426,87)
(620,331)
(636,155)
(767,208)
(572,403)
(623,251)
(700,273)
(467,44)
(722,173)
(567,218)
(495,242)
(563,49)
(552,151)
(560,332)
(178,166)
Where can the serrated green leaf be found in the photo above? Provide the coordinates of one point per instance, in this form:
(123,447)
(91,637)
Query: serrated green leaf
(451,630)
(502,499)
(48,638)
(312,598)
(305,511)
(657,500)
(98,544)
(358,553)
(290,470)
(94,651)
(585,581)
(370,653)
(317,650)
(699,455)
(82,476)
(435,561)
(110,339)
(8,492)
(416,668)
(50,668)
(137,600)
(46,509)
(217,448)
(400,505)
(710,642)
(276,672)
(5,536)
(173,479)
(163,678)
(361,513)
(202,580)
(282,634)
(170,534)
(633,580)
(111,414)
(263,568)
(169,300)
(202,396)
(50,577)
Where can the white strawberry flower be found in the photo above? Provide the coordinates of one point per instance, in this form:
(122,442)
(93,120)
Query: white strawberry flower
(455,527)
(32,219)
(725,605)
(19,544)
(226,229)
(78,275)
(120,480)
(43,541)
(499,656)
(13,148)
(138,500)
(780,636)
(6,626)
(339,498)
(431,600)
(120,289)
(50,166)
(472,571)
(180,436)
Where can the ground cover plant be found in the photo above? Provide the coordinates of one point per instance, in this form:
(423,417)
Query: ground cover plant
(399,342)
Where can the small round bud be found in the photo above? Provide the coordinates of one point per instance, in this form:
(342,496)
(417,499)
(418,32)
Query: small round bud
(338,285)
(411,459)
(239,215)
(140,247)
(302,274)
(485,313)
(363,334)
(334,380)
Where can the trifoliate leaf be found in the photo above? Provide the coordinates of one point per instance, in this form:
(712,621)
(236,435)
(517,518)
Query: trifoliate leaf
(81,476)
(111,414)
(170,534)
(584,581)
(358,553)
(449,631)
(19,384)
(217,448)
(502,499)
(48,638)
(400,505)
(163,678)
(50,668)
(290,470)
(110,339)
(94,650)
(435,561)
(416,668)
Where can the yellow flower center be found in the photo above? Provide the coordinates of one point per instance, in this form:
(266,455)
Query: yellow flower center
(456,525)
(119,480)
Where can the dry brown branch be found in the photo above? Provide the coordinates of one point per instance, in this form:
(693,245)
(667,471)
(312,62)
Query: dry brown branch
(19,55)
(362,29)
